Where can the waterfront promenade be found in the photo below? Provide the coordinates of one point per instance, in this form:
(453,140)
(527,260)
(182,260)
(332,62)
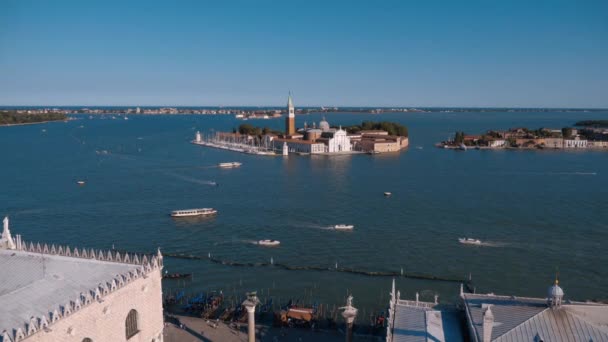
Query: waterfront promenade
(197,329)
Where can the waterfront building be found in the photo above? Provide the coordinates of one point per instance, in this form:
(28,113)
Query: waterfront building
(312,134)
(58,293)
(491,317)
(597,144)
(382,143)
(336,140)
(575,142)
(554,142)
(495,318)
(290,120)
(418,321)
(496,143)
(373,132)
(298,146)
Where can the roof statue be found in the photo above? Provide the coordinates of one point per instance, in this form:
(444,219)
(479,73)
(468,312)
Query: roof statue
(7,240)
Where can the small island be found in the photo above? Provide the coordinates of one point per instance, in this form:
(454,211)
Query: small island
(590,137)
(11,118)
(322,139)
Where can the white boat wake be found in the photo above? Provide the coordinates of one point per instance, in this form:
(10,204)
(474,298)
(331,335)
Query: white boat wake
(192,180)
(230,242)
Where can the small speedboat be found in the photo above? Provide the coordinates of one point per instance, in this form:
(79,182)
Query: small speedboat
(344,227)
(387,194)
(269,242)
(469,241)
(80,182)
(229,165)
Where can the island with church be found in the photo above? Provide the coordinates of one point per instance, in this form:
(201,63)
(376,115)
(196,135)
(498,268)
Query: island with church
(322,139)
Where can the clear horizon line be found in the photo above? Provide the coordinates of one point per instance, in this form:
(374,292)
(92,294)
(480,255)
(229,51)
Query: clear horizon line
(303,106)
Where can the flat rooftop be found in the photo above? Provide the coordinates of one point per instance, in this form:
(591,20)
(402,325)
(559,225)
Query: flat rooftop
(35,284)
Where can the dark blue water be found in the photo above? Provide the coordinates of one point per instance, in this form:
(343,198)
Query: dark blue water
(540,210)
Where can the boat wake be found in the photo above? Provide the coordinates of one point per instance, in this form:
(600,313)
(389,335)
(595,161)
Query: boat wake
(192,180)
(230,242)
(489,244)
(574,173)
(318,226)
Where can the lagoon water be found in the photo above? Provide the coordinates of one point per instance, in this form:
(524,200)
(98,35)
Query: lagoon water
(540,211)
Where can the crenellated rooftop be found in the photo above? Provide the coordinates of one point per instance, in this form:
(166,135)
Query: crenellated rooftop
(43,283)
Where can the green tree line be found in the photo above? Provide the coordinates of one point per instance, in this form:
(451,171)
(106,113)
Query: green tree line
(392,128)
(12,118)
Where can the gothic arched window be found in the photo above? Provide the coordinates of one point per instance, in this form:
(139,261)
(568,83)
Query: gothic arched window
(86,339)
(131,324)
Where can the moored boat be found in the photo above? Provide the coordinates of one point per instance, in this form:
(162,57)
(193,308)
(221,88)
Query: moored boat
(344,227)
(269,242)
(387,194)
(469,241)
(193,212)
(229,165)
(177,275)
(80,182)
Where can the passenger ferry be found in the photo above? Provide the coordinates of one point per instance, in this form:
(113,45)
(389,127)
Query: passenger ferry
(229,165)
(344,227)
(193,212)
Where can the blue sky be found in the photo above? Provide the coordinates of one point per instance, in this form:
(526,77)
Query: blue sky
(344,53)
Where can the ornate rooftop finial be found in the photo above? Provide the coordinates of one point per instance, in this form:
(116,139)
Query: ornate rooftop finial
(555,294)
(7,240)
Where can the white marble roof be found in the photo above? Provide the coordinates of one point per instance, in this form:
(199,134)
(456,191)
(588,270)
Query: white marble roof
(35,284)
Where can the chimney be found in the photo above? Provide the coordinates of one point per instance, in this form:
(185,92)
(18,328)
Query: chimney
(488,322)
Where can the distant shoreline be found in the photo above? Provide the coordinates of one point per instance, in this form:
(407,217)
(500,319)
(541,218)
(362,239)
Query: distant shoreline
(31,123)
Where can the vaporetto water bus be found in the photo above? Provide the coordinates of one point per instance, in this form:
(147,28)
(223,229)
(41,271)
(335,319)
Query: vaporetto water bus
(193,212)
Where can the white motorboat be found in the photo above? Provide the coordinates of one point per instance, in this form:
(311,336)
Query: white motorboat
(469,241)
(229,165)
(269,242)
(387,194)
(344,227)
(80,182)
(193,212)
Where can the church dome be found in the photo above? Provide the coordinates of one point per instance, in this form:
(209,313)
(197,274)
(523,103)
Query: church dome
(556,291)
(324,125)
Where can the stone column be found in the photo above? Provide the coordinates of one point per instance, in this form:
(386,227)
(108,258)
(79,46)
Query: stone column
(249,304)
(349,314)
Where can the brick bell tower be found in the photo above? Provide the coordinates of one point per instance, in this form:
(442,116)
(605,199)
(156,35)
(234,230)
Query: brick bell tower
(290,120)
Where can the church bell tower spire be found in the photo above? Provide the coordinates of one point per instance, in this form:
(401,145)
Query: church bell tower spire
(290,121)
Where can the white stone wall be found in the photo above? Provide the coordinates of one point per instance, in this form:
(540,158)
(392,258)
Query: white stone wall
(105,321)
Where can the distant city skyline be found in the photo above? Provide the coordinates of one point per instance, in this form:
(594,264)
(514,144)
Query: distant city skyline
(340,53)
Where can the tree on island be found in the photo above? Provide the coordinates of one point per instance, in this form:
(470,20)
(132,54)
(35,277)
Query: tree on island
(567,132)
(13,118)
(247,129)
(459,137)
(392,128)
(592,123)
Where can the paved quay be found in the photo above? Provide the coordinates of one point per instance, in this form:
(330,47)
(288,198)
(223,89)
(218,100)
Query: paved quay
(198,329)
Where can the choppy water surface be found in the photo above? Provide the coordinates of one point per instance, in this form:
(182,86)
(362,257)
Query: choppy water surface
(537,211)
